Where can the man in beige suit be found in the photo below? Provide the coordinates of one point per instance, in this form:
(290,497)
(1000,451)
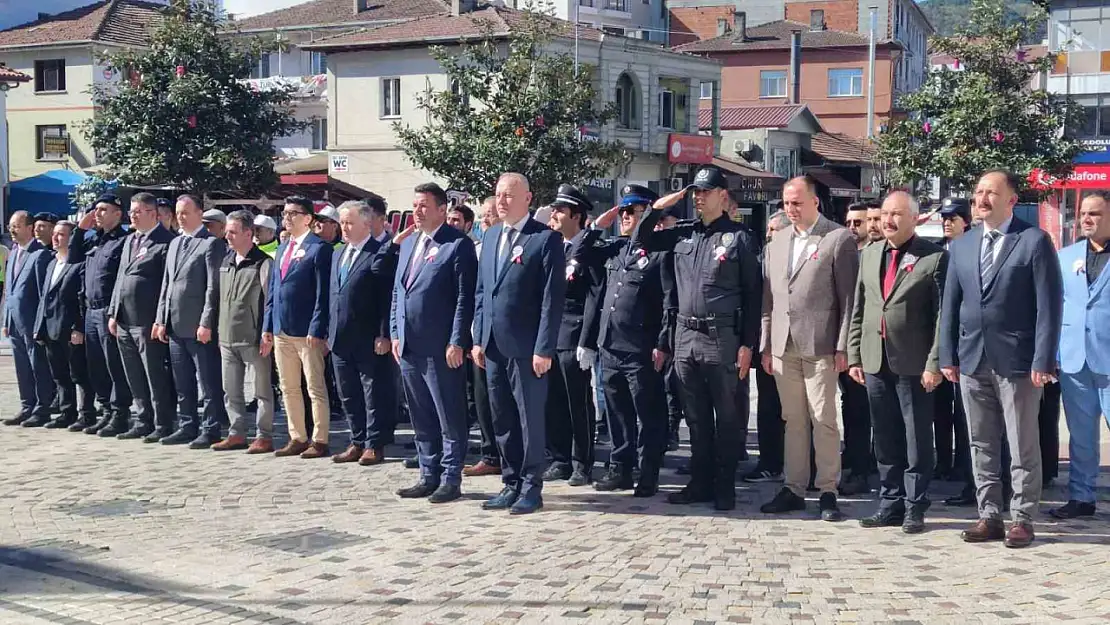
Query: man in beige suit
(808,286)
(893,348)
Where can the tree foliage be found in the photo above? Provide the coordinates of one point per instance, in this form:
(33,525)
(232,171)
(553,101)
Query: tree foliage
(181,114)
(949,16)
(516,104)
(984,114)
(86,192)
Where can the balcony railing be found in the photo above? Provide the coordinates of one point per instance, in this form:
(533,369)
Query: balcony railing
(608,5)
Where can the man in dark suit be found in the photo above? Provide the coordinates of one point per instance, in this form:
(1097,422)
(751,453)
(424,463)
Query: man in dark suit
(999,331)
(892,352)
(98,242)
(188,311)
(570,419)
(131,317)
(855,458)
(295,328)
(60,328)
(358,332)
(23,282)
(430,322)
(519,303)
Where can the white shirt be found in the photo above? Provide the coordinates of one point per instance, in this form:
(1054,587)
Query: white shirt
(1002,229)
(353,250)
(798,246)
(194,233)
(59,267)
(420,248)
(510,230)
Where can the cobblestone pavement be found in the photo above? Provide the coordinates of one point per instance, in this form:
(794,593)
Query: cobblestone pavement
(105,531)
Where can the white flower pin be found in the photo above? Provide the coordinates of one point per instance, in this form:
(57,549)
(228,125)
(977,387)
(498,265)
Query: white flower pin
(298,254)
(1079,266)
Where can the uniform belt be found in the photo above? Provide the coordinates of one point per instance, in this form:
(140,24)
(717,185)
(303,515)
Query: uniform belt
(705,324)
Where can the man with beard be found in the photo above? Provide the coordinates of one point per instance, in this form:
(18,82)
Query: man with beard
(874,222)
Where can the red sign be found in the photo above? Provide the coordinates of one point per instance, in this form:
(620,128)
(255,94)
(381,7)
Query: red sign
(1082,177)
(690,149)
(1048,214)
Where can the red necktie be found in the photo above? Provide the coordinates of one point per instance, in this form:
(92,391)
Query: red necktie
(888,282)
(288,258)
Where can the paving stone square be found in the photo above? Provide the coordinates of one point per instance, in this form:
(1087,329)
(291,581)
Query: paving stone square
(96,531)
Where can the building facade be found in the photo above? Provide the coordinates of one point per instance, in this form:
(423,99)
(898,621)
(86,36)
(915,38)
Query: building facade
(9,80)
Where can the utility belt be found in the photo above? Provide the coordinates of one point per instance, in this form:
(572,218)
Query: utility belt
(710,325)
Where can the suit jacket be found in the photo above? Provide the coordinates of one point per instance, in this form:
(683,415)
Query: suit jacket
(139,282)
(436,309)
(24,288)
(190,295)
(1012,326)
(1085,326)
(912,311)
(62,307)
(520,308)
(360,305)
(297,304)
(813,307)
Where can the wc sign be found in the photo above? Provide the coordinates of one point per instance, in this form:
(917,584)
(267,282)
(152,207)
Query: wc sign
(339,163)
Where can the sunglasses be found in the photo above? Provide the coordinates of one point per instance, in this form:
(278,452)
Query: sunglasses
(855,222)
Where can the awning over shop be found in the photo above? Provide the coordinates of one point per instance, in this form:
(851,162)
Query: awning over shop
(47,192)
(748,184)
(837,186)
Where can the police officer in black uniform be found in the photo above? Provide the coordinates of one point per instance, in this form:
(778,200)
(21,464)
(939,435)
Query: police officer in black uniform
(98,241)
(719,285)
(570,416)
(629,324)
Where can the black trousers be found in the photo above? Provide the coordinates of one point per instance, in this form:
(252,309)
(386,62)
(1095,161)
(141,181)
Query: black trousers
(953,445)
(634,400)
(569,420)
(70,371)
(1049,421)
(674,395)
(479,400)
(856,456)
(770,428)
(902,416)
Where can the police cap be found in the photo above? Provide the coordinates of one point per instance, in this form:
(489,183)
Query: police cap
(109,198)
(956,206)
(571,198)
(634,194)
(47,217)
(709,178)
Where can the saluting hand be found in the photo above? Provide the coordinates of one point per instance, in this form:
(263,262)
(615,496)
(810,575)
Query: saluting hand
(88,221)
(669,200)
(404,234)
(540,365)
(608,218)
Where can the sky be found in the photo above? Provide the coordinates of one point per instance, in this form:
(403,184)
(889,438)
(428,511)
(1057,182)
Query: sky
(15,12)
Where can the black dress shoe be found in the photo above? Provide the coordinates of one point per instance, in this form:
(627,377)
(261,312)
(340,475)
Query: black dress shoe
(421,489)
(557,472)
(579,478)
(113,429)
(180,437)
(724,500)
(445,492)
(412,463)
(59,424)
(884,518)
(100,424)
(1073,509)
(503,500)
(965,498)
(80,424)
(829,510)
(204,441)
(36,422)
(914,523)
(690,495)
(615,479)
(785,501)
(648,485)
(139,431)
(156,436)
(17,420)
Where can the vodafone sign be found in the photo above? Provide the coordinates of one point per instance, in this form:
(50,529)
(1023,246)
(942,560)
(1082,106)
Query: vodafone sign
(696,149)
(1082,177)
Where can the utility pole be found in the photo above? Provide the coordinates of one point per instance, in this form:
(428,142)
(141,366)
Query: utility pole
(874,18)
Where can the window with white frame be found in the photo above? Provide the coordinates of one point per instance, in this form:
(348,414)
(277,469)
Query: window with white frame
(628,103)
(772,83)
(52,143)
(666,109)
(391,97)
(50,75)
(706,91)
(845,82)
(318,63)
(319,134)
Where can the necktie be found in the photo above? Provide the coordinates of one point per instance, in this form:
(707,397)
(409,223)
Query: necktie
(287,258)
(136,244)
(17,262)
(506,246)
(417,260)
(345,267)
(986,262)
(891,273)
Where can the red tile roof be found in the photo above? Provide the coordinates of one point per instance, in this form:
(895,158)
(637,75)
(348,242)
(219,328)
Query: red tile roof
(751,117)
(124,22)
(499,21)
(776,36)
(838,147)
(342,12)
(8,74)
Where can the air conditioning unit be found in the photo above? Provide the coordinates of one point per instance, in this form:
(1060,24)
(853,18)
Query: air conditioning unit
(676,184)
(741,146)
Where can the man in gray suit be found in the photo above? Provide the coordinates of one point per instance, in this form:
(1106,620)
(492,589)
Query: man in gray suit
(188,309)
(1000,325)
(808,287)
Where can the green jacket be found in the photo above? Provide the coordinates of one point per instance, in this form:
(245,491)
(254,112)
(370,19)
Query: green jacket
(912,311)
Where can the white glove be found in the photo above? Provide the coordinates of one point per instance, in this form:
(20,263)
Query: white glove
(586,358)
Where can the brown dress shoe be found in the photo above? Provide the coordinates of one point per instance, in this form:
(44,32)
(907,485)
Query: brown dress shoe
(480,469)
(1019,535)
(231,443)
(292,448)
(353,453)
(316,450)
(261,446)
(372,455)
(984,530)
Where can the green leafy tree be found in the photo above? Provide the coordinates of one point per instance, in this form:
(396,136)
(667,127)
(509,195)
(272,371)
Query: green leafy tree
(984,114)
(86,192)
(181,113)
(516,104)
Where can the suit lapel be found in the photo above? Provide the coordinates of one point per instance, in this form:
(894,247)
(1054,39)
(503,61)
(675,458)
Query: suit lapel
(521,241)
(1009,241)
(355,264)
(1096,287)
(55,284)
(902,273)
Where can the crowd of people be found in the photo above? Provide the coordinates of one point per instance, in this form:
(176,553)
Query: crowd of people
(171,330)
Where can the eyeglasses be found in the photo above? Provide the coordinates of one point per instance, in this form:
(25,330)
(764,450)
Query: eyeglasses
(855,222)
(289,213)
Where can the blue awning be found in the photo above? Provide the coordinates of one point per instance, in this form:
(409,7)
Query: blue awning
(47,192)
